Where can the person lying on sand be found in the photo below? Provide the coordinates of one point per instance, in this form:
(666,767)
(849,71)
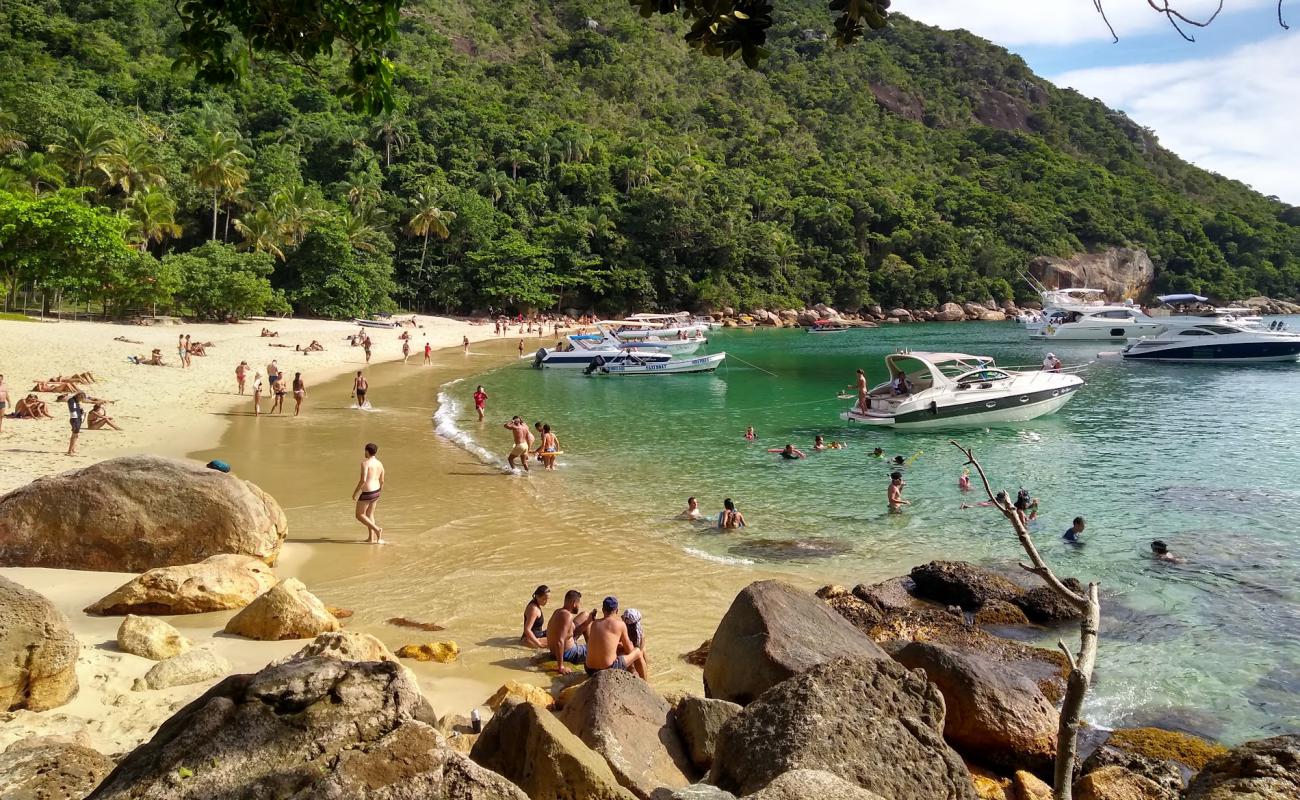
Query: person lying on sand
(124,339)
(80,377)
(56,386)
(98,419)
(154,359)
(32,407)
(274,344)
(314,347)
(269,332)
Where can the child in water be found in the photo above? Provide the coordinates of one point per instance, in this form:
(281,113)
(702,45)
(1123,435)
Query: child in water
(963,483)
(749,433)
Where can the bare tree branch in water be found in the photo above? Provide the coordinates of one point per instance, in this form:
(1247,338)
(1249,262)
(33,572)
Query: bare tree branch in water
(1178,19)
(1082,663)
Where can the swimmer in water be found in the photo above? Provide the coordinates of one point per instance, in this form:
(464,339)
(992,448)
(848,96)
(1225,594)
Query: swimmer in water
(1073,532)
(789,452)
(963,483)
(877,453)
(1027,505)
(692,511)
(749,433)
(1160,551)
(819,443)
(899,461)
(730,517)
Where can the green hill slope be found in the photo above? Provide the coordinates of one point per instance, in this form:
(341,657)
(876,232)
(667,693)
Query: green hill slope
(590,157)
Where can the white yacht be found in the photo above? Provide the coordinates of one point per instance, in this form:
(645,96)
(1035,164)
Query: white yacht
(630,362)
(581,349)
(1094,323)
(1214,341)
(948,390)
(1190,309)
(680,339)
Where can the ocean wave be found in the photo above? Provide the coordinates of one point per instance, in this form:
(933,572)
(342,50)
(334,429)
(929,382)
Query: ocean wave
(700,554)
(444,424)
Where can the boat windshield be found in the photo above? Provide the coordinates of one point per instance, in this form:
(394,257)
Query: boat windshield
(981,376)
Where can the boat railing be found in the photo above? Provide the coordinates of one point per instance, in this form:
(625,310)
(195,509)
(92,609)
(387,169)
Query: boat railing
(1030,369)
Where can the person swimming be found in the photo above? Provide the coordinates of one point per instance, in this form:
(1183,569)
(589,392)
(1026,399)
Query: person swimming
(692,511)
(1160,551)
(963,483)
(749,433)
(878,453)
(1073,533)
(730,517)
(789,452)
(899,461)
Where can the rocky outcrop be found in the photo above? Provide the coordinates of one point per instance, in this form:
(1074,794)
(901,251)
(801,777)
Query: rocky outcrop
(957,583)
(950,312)
(1044,605)
(150,638)
(286,611)
(870,721)
(344,646)
(440,652)
(46,770)
(1117,783)
(1267,305)
(218,583)
(317,728)
(38,653)
(1268,769)
(196,666)
(894,594)
(700,720)
(1122,272)
(1192,752)
(805,784)
(1000,612)
(528,745)
(1028,786)
(622,718)
(520,692)
(994,716)
(771,632)
(136,513)
(1166,775)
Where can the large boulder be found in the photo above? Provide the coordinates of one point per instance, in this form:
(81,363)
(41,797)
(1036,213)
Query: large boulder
(46,770)
(196,666)
(870,721)
(700,720)
(314,728)
(771,632)
(531,747)
(621,717)
(1267,769)
(1044,605)
(344,646)
(150,638)
(806,784)
(1121,272)
(38,653)
(287,611)
(994,716)
(217,583)
(993,316)
(1166,775)
(523,692)
(1117,783)
(135,513)
(950,312)
(958,583)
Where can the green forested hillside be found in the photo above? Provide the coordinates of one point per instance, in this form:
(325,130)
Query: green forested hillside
(574,154)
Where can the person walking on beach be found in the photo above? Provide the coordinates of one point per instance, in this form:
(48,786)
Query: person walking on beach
(521,348)
(4,400)
(240,372)
(359,388)
(480,401)
(277,397)
(895,493)
(75,418)
(428,352)
(257,394)
(365,345)
(562,632)
(519,429)
(299,392)
(534,634)
(366,494)
(273,374)
(406,350)
(609,646)
(188,350)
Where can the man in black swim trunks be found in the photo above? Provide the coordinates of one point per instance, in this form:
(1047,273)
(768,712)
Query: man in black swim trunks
(608,644)
(566,625)
(534,629)
(74,419)
(359,388)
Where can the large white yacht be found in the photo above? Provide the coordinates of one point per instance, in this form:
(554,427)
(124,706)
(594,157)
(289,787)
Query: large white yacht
(945,390)
(581,349)
(1094,323)
(1214,341)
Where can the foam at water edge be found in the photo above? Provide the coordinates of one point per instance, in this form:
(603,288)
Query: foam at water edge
(700,554)
(444,423)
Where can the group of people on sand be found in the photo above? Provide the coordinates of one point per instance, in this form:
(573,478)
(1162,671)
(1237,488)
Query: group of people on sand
(544,446)
(70,392)
(274,377)
(613,640)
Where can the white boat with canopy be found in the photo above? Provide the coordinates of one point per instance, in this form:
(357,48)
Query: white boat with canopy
(631,362)
(581,349)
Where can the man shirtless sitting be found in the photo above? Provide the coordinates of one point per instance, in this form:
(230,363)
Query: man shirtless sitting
(269,332)
(100,419)
(609,646)
(32,407)
(198,349)
(154,359)
(562,632)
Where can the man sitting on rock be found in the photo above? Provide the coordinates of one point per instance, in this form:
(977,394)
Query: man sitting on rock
(562,632)
(609,646)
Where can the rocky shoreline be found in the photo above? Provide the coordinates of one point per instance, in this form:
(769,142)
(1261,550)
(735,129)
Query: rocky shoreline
(913,688)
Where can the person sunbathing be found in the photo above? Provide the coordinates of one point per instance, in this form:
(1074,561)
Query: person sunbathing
(314,347)
(124,339)
(269,332)
(32,407)
(80,377)
(154,359)
(99,419)
(52,385)
(197,349)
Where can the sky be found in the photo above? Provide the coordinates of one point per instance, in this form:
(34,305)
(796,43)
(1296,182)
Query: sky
(1228,102)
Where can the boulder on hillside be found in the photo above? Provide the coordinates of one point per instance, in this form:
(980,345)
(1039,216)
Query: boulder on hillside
(699,721)
(286,611)
(807,318)
(1117,783)
(38,653)
(217,583)
(136,513)
(196,666)
(1121,272)
(994,716)
(1267,769)
(317,728)
(805,784)
(528,745)
(958,583)
(50,771)
(993,316)
(901,313)
(870,721)
(621,717)
(973,310)
(150,638)
(771,632)
(950,312)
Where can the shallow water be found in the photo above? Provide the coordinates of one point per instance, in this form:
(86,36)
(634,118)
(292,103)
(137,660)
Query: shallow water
(1203,457)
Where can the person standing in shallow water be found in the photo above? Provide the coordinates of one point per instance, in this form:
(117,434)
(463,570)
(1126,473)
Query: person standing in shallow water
(366,494)
(895,493)
(359,388)
(480,401)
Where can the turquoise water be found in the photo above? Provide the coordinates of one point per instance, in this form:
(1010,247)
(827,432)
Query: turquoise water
(1203,457)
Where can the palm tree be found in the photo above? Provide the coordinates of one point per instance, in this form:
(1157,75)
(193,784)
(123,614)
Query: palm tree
(296,210)
(153,218)
(493,183)
(428,219)
(88,148)
(11,141)
(514,158)
(220,169)
(363,227)
(388,129)
(134,167)
(39,171)
(262,232)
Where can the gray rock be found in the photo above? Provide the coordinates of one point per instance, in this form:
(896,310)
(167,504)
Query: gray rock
(38,653)
(151,638)
(1044,605)
(50,771)
(872,722)
(1165,774)
(958,583)
(700,720)
(196,666)
(804,784)
(1267,769)
(701,791)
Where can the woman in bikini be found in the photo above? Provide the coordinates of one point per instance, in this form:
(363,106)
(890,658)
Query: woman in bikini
(550,448)
(299,392)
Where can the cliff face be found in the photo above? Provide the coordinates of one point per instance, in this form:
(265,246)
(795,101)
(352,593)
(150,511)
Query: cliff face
(1123,272)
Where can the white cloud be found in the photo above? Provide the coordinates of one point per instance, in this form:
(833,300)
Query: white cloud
(1237,114)
(1054,22)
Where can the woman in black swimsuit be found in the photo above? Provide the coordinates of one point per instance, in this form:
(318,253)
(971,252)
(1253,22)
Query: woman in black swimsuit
(534,627)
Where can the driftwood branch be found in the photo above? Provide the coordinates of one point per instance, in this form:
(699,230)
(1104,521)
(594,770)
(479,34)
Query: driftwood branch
(1177,19)
(1081,664)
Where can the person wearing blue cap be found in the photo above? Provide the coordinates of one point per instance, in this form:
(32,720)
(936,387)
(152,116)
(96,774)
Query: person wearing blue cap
(608,643)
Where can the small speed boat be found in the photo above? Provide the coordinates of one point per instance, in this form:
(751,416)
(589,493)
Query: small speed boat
(634,363)
(375,323)
(828,326)
(1217,342)
(949,390)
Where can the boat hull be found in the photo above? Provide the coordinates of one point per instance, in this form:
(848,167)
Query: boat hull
(975,414)
(676,367)
(580,360)
(1265,352)
(1071,333)
(372,323)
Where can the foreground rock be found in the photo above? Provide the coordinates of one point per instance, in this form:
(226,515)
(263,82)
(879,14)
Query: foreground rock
(196,666)
(993,715)
(217,583)
(150,638)
(1268,769)
(872,722)
(287,611)
(316,728)
(803,784)
(531,747)
(45,770)
(621,717)
(440,652)
(38,653)
(700,720)
(523,692)
(771,632)
(136,513)
(957,583)
(1117,783)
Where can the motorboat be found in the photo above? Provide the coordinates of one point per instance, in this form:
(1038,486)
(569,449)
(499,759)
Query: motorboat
(949,390)
(664,325)
(1190,309)
(581,349)
(1094,323)
(680,339)
(375,323)
(632,362)
(828,326)
(1217,342)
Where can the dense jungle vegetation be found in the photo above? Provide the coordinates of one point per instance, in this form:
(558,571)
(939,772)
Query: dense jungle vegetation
(572,154)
